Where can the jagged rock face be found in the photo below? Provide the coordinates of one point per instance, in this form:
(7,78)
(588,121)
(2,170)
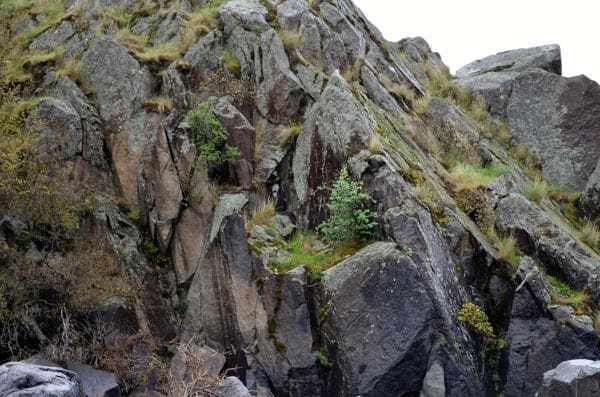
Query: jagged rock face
(328,137)
(539,236)
(387,316)
(29,380)
(572,378)
(540,334)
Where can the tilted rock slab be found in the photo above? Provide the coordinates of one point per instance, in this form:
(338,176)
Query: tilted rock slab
(29,380)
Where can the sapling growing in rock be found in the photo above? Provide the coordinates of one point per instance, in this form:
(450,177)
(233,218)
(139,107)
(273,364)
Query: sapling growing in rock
(351,219)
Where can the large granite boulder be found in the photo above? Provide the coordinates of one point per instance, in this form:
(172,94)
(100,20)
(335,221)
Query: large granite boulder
(541,335)
(546,57)
(572,378)
(61,128)
(29,380)
(558,120)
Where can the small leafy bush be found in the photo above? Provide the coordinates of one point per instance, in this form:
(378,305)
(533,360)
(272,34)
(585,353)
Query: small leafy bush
(476,318)
(210,136)
(350,218)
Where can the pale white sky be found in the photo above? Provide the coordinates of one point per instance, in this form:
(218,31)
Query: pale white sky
(465,30)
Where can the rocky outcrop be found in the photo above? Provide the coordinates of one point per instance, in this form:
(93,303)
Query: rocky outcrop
(120,91)
(545,57)
(23,380)
(539,236)
(328,137)
(560,125)
(572,378)
(370,292)
(541,335)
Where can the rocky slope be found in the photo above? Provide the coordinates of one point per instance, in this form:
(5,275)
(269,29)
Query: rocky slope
(183,272)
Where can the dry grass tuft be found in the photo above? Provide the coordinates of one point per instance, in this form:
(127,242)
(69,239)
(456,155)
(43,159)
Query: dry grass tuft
(467,177)
(290,133)
(536,191)
(160,104)
(590,235)
(507,251)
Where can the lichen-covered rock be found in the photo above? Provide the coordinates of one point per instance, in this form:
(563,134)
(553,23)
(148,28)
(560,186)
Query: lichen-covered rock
(120,91)
(383,292)
(541,335)
(278,96)
(493,87)
(590,197)
(538,235)
(572,378)
(61,128)
(329,136)
(92,149)
(545,57)
(558,120)
(29,380)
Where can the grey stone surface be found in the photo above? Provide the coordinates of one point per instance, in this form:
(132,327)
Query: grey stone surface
(572,378)
(278,96)
(538,235)
(61,128)
(540,336)
(19,379)
(328,137)
(590,197)
(558,120)
(545,57)
(96,383)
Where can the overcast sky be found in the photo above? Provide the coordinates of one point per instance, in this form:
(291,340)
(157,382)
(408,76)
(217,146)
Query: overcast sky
(465,30)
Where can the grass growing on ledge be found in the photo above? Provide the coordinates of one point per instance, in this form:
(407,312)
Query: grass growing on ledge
(262,215)
(581,301)
(160,104)
(163,52)
(590,235)
(290,133)
(465,176)
(536,191)
(230,62)
(507,251)
(306,249)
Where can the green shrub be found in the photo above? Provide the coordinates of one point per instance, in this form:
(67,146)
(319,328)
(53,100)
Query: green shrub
(476,318)
(210,136)
(350,218)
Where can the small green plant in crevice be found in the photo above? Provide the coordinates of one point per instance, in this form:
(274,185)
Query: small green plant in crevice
(350,219)
(536,191)
(477,320)
(321,358)
(155,254)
